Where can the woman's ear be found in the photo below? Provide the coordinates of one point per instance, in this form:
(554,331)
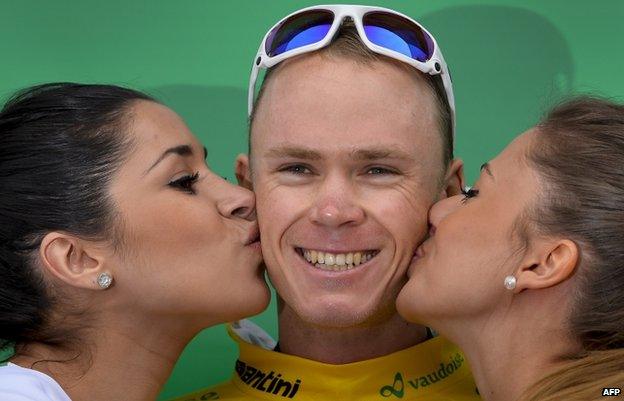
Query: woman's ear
(547,264)
(74,261)
(453,180)
(243,171)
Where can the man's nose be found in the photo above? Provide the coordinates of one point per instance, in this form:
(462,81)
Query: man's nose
(440,210)
(336,205)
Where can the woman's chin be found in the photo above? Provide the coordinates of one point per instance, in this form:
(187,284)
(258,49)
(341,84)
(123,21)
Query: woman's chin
(408,305)
(250,301)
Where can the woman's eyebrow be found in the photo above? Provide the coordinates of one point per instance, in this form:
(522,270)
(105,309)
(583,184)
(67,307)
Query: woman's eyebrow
(180,150)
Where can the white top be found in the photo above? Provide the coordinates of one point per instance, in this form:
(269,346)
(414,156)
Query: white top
(21,384)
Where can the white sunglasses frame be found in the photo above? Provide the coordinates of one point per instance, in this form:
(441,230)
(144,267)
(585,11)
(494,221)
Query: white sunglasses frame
(356,13)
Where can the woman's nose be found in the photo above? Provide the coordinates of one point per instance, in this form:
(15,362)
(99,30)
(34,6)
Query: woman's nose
(237,202)
(441,209)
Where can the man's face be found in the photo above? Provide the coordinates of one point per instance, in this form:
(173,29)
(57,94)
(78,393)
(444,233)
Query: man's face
(346,161)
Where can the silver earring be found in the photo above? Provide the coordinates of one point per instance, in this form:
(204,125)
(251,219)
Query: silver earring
(104,280)
(510,282)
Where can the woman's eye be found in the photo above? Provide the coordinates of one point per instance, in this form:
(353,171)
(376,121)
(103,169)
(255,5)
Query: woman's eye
(296,169)
(468,193)
(185,183)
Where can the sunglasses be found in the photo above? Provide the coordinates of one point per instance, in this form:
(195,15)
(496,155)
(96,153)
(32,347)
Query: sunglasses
(383,31)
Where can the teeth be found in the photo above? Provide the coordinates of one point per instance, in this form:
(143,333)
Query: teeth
(330,259)
(337,262)
(357,258)
(349,259)
(340,259)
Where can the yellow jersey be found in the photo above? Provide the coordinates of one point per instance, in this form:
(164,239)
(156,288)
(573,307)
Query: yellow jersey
(434,370)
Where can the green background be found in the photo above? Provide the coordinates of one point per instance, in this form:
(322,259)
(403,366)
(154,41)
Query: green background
(509,59)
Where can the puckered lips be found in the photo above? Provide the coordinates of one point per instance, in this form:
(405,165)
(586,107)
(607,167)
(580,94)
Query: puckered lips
(252,238)
(418,254)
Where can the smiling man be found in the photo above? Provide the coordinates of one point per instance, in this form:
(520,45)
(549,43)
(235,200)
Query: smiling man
(350,144)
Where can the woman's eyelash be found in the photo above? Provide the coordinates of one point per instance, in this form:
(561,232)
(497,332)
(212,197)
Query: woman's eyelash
(469,193)
(185,183)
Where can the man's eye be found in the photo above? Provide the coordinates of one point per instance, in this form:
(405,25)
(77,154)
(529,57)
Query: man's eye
(296,169)
(380,171)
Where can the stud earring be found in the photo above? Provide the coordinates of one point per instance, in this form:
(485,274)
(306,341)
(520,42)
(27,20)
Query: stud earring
(510,282)
(104,280)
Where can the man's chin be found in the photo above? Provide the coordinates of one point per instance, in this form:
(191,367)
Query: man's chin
(336,320)
(339,315)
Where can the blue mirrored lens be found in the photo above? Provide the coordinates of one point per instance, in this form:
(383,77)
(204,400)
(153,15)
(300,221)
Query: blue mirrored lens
(390,40)
(398,34)
(310,35)
(300,30)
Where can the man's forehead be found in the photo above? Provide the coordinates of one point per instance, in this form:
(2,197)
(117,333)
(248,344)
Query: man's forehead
(342,78)
(360,152)
(361,112)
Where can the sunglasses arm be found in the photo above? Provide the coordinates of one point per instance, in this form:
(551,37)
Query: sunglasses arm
(252,88)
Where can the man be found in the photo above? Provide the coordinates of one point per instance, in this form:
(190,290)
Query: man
(348,150)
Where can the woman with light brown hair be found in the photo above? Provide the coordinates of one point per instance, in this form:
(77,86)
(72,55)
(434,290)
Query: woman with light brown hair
(525,271)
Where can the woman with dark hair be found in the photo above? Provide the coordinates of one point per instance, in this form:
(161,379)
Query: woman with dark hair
(117,244)
(525,272)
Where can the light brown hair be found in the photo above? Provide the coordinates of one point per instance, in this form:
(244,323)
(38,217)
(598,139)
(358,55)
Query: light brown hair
(579,152)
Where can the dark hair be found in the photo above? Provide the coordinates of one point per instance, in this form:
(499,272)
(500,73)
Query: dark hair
(60,144)
(579,152)
(347,44)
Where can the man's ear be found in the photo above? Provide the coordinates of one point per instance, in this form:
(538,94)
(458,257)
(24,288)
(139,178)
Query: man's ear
(243,171)
(547,264)
(453,180)
(75,261)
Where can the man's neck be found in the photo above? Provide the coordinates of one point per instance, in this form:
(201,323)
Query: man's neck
(345,345)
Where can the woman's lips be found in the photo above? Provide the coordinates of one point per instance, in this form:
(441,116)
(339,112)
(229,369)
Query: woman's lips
(418,254)
(256,245)
(419,251)
(253,236)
